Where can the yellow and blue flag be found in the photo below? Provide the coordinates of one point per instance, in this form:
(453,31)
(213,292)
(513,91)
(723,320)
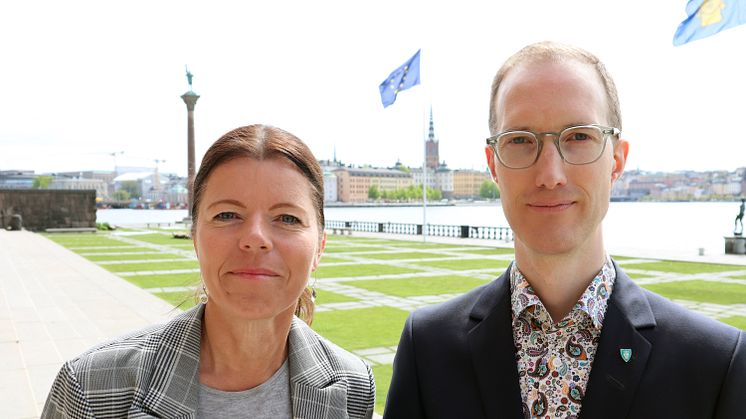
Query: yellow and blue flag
(708,17)
(402,78)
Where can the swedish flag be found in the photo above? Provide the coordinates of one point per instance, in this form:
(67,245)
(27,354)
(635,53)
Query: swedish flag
(708,17)
(402,78)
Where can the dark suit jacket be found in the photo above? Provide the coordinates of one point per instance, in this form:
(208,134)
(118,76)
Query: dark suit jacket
(457,360)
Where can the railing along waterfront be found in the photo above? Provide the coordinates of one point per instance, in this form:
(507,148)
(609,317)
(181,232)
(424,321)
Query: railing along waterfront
(438,230)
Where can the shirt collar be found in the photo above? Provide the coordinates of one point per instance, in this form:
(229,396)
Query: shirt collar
(593,302)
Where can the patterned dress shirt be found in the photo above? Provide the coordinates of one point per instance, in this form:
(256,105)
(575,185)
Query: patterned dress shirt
(554,359)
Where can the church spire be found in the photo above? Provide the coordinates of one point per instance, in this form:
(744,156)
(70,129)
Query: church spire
(431,133)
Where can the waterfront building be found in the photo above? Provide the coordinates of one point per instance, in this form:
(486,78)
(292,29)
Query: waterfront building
(80,183)
(330,186)
(353,184)
(467,183)
(17,179)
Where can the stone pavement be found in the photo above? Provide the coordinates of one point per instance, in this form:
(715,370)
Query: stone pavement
(55,304)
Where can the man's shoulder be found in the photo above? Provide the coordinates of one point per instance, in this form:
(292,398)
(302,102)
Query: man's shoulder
(456,311)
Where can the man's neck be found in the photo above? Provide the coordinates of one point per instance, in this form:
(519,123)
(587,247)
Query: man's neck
(560,279)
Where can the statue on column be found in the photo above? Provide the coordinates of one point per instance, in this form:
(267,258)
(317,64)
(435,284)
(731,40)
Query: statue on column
(189,77)
(739,219)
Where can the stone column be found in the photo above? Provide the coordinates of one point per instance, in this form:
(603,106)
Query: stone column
(190,98)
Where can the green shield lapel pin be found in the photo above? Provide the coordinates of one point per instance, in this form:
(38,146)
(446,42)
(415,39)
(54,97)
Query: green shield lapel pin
(626,354)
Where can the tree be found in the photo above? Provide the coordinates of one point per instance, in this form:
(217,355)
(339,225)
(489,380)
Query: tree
(42,182)
(122,195)
(489,190)
(373,192)
(131,187)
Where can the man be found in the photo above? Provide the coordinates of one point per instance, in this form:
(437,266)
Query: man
(564,331)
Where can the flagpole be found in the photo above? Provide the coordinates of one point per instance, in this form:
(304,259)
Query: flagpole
(424,171)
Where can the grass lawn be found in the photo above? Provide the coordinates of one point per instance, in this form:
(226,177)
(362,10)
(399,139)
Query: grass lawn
(415,286)
(383,380)
(704,291)
(637,276)
(182,299)
(362,328)
(331,259)
(326,297)
(165,280)
(402,255)
(153,266)
(364,269)
(113,249)
(352,249)
(737,321)
(158,238)
(421,245)
(100,258)
(466,264)
(488,251)
(684,267)
(77,240)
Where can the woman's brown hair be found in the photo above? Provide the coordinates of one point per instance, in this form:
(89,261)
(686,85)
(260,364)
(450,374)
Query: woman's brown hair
(261,142)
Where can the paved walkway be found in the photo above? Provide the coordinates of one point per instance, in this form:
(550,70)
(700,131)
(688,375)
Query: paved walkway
(53,305)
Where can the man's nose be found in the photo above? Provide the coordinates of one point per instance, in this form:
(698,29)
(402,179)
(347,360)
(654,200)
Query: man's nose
(550,167)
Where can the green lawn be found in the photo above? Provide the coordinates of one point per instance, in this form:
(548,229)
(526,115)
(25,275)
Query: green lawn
(165,280)
(183,299)
(488,251)
(326,297)
(158,238)
(402,255)
(383,379)
(684,267)
(124,248)
(737,321)
(153,266)
(466,264)
(705,291)
(331,259)
(101,258)
(353,249)
(361,328)
(79,240)
(364,269)
(415,286)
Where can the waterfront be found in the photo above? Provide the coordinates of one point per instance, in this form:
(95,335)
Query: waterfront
(630,227)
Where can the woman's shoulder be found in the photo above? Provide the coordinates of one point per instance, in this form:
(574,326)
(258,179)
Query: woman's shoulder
(134,349)
(306,343)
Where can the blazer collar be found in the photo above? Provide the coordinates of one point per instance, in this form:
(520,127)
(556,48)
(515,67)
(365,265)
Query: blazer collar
(316,390)
(174,382)
(613,381)
(490,340)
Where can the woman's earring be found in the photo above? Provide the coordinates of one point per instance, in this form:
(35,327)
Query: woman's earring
(203,295)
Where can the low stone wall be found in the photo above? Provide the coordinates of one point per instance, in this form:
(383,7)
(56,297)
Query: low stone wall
(48,208)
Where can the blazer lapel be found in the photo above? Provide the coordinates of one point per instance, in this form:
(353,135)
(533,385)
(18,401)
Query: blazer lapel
(316,391)
(174,385)
(493,351)
(613,381)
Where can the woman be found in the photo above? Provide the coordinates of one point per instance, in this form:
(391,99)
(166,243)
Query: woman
(258,231)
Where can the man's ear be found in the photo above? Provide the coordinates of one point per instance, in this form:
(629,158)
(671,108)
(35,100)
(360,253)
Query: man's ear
(621,148)
(491,162)
(317,257)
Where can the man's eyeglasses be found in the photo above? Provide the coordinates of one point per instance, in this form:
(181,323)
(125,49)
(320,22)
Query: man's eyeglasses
(583,144)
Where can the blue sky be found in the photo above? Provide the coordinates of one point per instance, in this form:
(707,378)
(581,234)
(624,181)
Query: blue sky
(84,79)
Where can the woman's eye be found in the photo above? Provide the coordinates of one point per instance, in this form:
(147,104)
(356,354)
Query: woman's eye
(289,219)
(225,216)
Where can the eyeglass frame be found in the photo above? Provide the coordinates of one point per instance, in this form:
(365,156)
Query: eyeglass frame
(605,131)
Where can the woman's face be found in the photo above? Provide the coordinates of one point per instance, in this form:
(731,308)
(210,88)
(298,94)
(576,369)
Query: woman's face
(257,237)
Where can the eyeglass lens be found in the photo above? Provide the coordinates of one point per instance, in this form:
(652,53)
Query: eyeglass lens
(578,145)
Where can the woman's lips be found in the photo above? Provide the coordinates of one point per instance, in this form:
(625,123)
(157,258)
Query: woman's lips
(254,273)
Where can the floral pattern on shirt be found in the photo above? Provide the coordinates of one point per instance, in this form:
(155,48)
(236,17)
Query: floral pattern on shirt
(554,359)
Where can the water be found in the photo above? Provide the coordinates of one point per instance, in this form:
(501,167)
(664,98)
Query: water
(629,228)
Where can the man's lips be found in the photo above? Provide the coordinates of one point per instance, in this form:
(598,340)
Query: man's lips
(555,206)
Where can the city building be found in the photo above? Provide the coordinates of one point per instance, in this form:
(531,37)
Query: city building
(353,184)
(467,183)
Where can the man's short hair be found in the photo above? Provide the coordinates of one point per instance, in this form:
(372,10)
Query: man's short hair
(552,51)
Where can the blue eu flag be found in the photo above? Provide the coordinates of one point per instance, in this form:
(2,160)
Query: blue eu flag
(402,78)
(708,17)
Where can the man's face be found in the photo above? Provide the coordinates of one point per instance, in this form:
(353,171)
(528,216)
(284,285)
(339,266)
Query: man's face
(555,207)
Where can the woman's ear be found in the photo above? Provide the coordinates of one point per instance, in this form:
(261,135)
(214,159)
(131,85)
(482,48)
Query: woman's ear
(319,252)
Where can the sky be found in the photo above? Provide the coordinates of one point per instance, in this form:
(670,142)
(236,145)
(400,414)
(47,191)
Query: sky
(87,85)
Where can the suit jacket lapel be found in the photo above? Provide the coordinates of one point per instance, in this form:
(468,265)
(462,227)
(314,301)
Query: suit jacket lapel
(174,384)
(613,382)
(493,351)
(316,391)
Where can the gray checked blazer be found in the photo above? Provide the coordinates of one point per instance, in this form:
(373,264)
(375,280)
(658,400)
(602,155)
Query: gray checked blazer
(155,373)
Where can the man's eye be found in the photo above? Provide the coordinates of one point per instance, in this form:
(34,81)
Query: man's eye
(289,219)
(579,136)
(225,216)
